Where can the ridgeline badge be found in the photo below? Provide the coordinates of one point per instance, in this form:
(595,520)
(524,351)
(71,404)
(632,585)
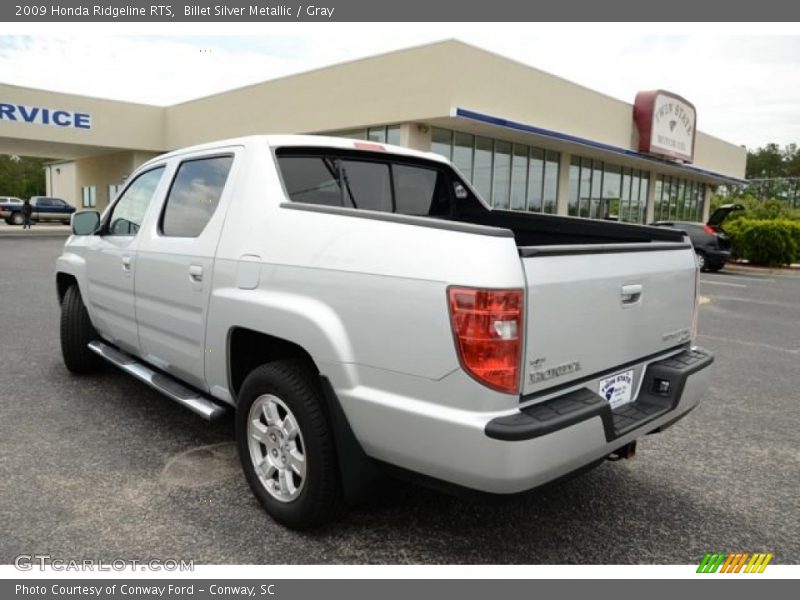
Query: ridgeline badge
(550,373)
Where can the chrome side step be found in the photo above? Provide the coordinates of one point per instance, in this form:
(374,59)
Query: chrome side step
(172,388)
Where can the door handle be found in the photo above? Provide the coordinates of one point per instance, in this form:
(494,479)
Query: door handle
(126,264)
(196,273)
(631,294)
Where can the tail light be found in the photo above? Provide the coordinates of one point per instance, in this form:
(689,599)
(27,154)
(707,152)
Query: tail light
(487,325)
(709,229)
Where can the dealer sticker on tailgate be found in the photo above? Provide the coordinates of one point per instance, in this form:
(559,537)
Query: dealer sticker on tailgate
(617,389)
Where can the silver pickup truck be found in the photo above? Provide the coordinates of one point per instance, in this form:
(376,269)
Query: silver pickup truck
(359,307)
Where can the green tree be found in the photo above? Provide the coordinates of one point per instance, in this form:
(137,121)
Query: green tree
(765,162)
(22,176)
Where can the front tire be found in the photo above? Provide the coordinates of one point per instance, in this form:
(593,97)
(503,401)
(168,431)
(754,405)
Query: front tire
(286,446)
(16,219)
(76,333)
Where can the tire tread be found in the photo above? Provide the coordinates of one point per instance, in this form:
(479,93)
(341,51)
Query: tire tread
(76,333)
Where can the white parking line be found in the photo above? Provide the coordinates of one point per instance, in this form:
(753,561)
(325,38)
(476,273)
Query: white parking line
(740,285)
(753,344)
(750,277)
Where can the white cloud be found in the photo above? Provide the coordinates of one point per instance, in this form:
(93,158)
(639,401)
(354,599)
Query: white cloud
(746,88)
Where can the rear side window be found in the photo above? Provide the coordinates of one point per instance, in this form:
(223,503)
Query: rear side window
(373,184)
(415,189)
(333,181)
(194,195)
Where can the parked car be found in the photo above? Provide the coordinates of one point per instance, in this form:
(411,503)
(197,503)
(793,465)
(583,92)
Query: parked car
(711,244)
(48,209)
(45,210)
(361,308)
(8,206)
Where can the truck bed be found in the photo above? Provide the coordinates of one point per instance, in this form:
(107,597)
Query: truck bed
(533,229)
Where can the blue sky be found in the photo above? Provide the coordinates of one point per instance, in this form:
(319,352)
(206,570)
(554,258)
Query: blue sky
(746,88)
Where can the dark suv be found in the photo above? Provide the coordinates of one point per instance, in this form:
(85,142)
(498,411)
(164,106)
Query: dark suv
(711,244)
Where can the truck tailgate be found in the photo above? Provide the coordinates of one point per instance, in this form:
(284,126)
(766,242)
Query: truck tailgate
(594,308)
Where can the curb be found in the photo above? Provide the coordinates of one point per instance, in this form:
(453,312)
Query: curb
(733,266)
(18,235)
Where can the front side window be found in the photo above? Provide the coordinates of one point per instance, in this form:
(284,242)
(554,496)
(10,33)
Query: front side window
(194,195)
(128,213)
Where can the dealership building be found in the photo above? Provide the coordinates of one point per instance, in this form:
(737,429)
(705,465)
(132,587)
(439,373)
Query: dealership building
(527,140)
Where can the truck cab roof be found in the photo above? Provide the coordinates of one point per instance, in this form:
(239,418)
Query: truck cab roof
(305,141)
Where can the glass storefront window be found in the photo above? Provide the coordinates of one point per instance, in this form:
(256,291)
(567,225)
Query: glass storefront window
(482,170)
(550,193)
(383,134)
(393,135)
(605,191)
(519,177)
(574,185)
(463,147)
(535,180)
(597,190)
(586,187)
(514,176)
(442,142)
(678,199)
(501,183)
(612,192)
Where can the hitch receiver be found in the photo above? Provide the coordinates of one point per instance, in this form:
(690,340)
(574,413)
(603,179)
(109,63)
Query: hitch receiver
(627,451)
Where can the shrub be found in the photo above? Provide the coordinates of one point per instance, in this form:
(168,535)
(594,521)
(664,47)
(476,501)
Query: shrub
(765,242)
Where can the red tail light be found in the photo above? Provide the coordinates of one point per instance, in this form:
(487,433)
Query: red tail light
(487,325)
(710,229)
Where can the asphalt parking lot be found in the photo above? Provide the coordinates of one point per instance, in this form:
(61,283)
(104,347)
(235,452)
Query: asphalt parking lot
(104,467)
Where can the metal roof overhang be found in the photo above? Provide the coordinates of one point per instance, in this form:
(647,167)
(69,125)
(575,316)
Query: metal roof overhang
(482,124)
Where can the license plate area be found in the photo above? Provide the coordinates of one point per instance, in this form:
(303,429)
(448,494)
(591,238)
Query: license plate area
(617,389)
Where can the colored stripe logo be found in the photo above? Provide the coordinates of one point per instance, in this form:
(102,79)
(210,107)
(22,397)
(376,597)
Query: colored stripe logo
(737,562)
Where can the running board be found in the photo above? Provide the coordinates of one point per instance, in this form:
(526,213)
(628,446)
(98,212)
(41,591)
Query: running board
(172,388)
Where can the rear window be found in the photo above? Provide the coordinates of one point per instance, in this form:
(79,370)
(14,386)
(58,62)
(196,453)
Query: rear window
(368,183)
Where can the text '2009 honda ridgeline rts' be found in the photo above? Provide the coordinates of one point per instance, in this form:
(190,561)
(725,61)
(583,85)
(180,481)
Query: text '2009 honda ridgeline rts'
(359,306)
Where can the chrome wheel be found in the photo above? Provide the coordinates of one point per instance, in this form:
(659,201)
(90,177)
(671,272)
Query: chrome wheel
(701,260)
(277,449)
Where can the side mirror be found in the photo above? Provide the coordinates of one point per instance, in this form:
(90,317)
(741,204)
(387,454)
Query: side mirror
(85,222)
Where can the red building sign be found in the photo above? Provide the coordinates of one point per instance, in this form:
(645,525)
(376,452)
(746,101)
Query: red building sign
(666,124)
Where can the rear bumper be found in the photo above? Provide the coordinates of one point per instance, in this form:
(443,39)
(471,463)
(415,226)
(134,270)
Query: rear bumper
(660,392)
(717,256)
(512,452)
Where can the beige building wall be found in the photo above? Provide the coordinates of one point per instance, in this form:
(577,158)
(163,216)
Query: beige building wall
(60,181)
(391,88)
(420,85)
(115,125)
(104,171)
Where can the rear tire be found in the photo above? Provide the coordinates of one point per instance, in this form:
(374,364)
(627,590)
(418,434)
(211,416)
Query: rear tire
(280,419)
(16,219)
(76,333)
